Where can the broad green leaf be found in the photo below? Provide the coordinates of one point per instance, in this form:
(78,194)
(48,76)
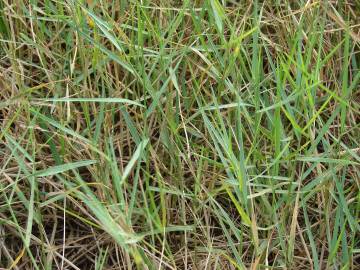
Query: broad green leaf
(64,168)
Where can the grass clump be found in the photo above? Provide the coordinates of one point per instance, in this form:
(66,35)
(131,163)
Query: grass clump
(179,134)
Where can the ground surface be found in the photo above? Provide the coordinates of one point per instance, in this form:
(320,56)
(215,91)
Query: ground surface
(179,134)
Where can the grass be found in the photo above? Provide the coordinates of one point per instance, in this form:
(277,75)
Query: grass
(166,134)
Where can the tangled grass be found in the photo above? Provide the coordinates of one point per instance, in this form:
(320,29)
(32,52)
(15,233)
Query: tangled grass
(179,134)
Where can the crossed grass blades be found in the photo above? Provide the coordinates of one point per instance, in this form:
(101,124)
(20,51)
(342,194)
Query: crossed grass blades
(179,134)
